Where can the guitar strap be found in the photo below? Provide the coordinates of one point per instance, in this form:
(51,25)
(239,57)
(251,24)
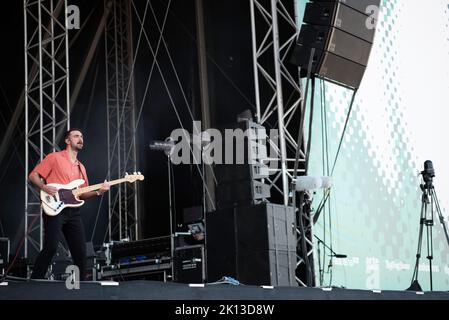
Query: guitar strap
(81,172)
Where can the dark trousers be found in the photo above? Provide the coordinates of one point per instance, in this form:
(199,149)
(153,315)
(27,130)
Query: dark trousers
(69,224)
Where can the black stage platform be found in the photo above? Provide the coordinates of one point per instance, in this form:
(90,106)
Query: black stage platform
(154,290)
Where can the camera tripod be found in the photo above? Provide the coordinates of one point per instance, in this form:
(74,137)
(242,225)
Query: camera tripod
(430,202)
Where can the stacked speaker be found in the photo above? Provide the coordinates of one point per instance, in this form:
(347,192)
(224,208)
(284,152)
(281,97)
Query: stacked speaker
(254,244)
(240,182)
(341,32)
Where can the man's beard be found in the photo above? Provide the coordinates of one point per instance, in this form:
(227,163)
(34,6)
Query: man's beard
(79,146)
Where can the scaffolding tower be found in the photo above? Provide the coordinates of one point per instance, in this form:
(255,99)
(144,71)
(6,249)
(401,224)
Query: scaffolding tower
(280,106)
(46,99)
(121,120)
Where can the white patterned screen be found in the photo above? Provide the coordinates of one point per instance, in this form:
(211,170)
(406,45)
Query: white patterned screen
(399,120)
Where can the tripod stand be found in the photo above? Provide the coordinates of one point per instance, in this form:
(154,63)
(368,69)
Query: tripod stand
(429,202)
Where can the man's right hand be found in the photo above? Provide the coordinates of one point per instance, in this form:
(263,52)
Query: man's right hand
(49,189)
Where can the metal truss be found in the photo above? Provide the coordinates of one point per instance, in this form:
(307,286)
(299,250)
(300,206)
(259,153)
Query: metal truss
(121,120)
(46,99)
(279,103)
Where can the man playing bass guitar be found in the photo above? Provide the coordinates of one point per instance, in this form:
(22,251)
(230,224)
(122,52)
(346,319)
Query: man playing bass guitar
(62,168)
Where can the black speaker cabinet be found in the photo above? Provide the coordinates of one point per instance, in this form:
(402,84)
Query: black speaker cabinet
(189,264)
(329,65)
(4,253)
(336,14)
(254,244)
(362,6)
(335,41)
(243,192)
(235,172)
(342,34)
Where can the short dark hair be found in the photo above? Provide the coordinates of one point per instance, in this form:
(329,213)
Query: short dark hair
(68,132)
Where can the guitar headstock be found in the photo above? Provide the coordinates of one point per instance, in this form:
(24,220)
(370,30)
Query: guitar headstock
(133,177)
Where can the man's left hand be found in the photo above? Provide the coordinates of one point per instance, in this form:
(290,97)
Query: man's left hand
(105,187)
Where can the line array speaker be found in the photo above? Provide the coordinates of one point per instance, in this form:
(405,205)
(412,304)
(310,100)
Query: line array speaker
(342,34)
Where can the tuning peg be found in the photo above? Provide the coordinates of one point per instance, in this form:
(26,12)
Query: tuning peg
(126,173)
(134,173)
(138,172)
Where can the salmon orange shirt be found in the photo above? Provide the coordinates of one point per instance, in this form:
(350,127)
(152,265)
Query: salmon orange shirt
(57,167)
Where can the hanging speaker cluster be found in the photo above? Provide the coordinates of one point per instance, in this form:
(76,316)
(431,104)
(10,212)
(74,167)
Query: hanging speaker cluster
(342,34)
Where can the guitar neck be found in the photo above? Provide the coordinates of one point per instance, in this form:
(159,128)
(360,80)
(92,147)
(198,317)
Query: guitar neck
(97,186)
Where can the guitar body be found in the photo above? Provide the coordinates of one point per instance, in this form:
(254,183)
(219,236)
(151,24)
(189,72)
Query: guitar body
(68,194)
(64,198)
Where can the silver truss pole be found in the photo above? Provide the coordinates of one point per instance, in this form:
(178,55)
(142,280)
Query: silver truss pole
(255,63)
(271,75)
(280,101)
(274,76)
(46,100)
(117,105)
(41,120)
(25,45)
(121,120)
(53,91)
(67,63)
(133,128)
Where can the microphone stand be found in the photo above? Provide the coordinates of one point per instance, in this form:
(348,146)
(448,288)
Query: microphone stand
(172,217)
(333,254)
(336,255)
(167,147)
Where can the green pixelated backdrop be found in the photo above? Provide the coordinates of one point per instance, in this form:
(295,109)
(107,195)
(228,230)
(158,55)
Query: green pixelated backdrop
(398,121)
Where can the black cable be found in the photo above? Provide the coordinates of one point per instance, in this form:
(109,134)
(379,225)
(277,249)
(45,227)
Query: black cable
(189,109)
(324,205)
(93,90)
(332,172)
(173,105)
(325,160)
(16,152)
(344,130)
(85,126)
(112,231)
(1,228)
(19,247)
(327,173)
(309,138)
(331,270)
(209,57)
(172,177)
(323,202)
(440,215)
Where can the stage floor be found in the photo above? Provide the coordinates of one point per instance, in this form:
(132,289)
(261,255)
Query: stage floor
(155,290)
